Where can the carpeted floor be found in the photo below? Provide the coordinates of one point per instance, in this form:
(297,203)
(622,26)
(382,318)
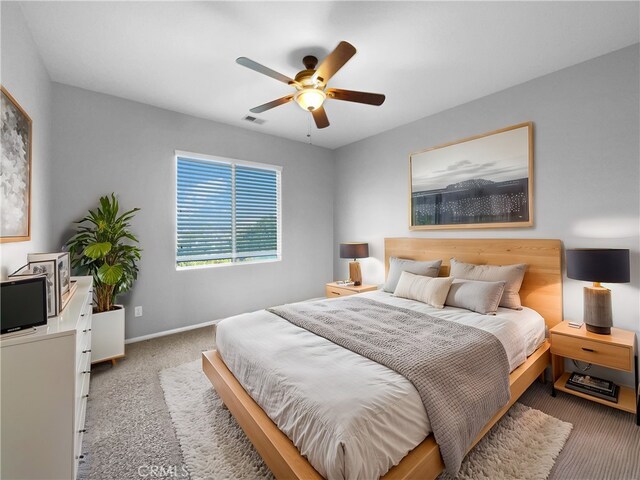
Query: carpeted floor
(129,430)
(215,447)
(130,434)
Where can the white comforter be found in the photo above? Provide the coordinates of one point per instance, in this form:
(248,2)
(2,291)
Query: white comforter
(351,417)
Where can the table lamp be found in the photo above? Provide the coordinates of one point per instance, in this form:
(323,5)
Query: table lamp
(598,265)
(354,250)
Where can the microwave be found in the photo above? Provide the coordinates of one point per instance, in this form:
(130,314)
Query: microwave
(23,303)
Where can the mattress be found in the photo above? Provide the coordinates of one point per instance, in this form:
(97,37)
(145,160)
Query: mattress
(349,416)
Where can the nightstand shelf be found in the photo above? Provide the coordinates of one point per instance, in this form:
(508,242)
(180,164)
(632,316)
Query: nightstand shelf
(616,351)
(334,290)
(626,400)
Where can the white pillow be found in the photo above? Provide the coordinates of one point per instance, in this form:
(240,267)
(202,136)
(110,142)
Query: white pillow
(399,265)
(430,290)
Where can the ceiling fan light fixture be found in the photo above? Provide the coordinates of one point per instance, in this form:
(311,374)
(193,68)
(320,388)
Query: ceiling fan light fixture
(310,99)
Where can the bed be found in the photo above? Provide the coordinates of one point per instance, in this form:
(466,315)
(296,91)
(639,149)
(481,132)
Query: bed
(413,455)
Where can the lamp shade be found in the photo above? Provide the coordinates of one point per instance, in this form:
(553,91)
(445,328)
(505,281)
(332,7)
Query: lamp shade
(605,265)
(354,250)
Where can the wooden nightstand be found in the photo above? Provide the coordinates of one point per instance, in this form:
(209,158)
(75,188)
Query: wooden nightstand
(617,351)
(334,290)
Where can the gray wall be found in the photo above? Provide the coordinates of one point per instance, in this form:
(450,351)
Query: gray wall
(104,144)
(586,162)
(586,182)
(24,76)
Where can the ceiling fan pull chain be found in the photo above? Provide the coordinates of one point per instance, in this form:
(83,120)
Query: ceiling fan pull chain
(309,130)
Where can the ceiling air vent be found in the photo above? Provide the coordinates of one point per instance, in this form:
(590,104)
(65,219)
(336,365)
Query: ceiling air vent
(257,121)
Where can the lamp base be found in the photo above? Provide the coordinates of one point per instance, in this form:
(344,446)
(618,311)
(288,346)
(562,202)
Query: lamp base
(597,310)
(596,329)
(355,275)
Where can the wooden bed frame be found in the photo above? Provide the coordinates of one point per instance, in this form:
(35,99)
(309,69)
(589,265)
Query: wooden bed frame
(541,290)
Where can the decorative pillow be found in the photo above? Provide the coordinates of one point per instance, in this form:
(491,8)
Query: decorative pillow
(399,265)
(512,275)
(430,290)
(475,295)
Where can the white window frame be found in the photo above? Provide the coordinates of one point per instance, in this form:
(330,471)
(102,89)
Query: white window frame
(232,161)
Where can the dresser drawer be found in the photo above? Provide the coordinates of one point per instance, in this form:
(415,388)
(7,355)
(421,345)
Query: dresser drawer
(83,372)
(77,449)
(604,354)
(83,349)
(85,316)
(86,340)
(337,292)
(81,412)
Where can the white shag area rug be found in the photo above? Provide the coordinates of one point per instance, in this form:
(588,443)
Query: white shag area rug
(522,445)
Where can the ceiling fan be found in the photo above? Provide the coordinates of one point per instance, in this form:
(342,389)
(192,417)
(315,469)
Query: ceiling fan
(311,84)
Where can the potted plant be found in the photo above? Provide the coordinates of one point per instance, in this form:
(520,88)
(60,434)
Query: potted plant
(105,248)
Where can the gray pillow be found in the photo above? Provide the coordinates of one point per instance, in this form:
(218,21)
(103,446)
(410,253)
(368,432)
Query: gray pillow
(512,275)
(399,265)
(475,295)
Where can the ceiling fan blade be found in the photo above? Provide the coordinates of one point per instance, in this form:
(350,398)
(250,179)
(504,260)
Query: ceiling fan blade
(272,104)
(358,97)
(334,61)
(247,62)
(320,117)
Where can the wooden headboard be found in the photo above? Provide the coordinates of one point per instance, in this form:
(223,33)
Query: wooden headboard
(542,285)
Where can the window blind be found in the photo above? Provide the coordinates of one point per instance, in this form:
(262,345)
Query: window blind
(226,212)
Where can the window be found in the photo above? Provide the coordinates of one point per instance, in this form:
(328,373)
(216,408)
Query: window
(228,211)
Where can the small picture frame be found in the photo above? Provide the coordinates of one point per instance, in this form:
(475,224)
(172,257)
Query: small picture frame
(62,272)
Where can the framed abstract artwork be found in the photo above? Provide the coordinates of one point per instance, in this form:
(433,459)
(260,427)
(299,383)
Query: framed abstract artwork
(485,181)
(15,171)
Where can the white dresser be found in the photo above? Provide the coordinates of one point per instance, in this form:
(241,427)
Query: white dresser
(45,386)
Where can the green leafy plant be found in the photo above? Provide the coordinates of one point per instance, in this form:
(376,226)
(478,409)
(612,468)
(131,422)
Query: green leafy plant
(105,248)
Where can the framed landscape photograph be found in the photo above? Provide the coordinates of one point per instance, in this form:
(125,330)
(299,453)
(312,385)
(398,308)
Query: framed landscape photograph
(15,171)
(485,181)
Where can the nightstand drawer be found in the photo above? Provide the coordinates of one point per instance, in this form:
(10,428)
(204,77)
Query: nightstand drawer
(337,292)
(604,354)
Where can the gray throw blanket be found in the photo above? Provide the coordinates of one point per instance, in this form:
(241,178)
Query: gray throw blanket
(460,372)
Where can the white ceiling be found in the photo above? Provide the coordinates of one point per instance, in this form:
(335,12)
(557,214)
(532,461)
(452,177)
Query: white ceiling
(425,56)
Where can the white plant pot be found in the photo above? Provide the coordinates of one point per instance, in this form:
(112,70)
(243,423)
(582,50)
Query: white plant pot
(107,335)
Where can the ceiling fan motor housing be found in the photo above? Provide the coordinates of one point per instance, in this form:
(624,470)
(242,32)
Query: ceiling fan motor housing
(305,78)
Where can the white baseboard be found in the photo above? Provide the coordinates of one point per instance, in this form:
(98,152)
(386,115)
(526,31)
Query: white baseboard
(169,332)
